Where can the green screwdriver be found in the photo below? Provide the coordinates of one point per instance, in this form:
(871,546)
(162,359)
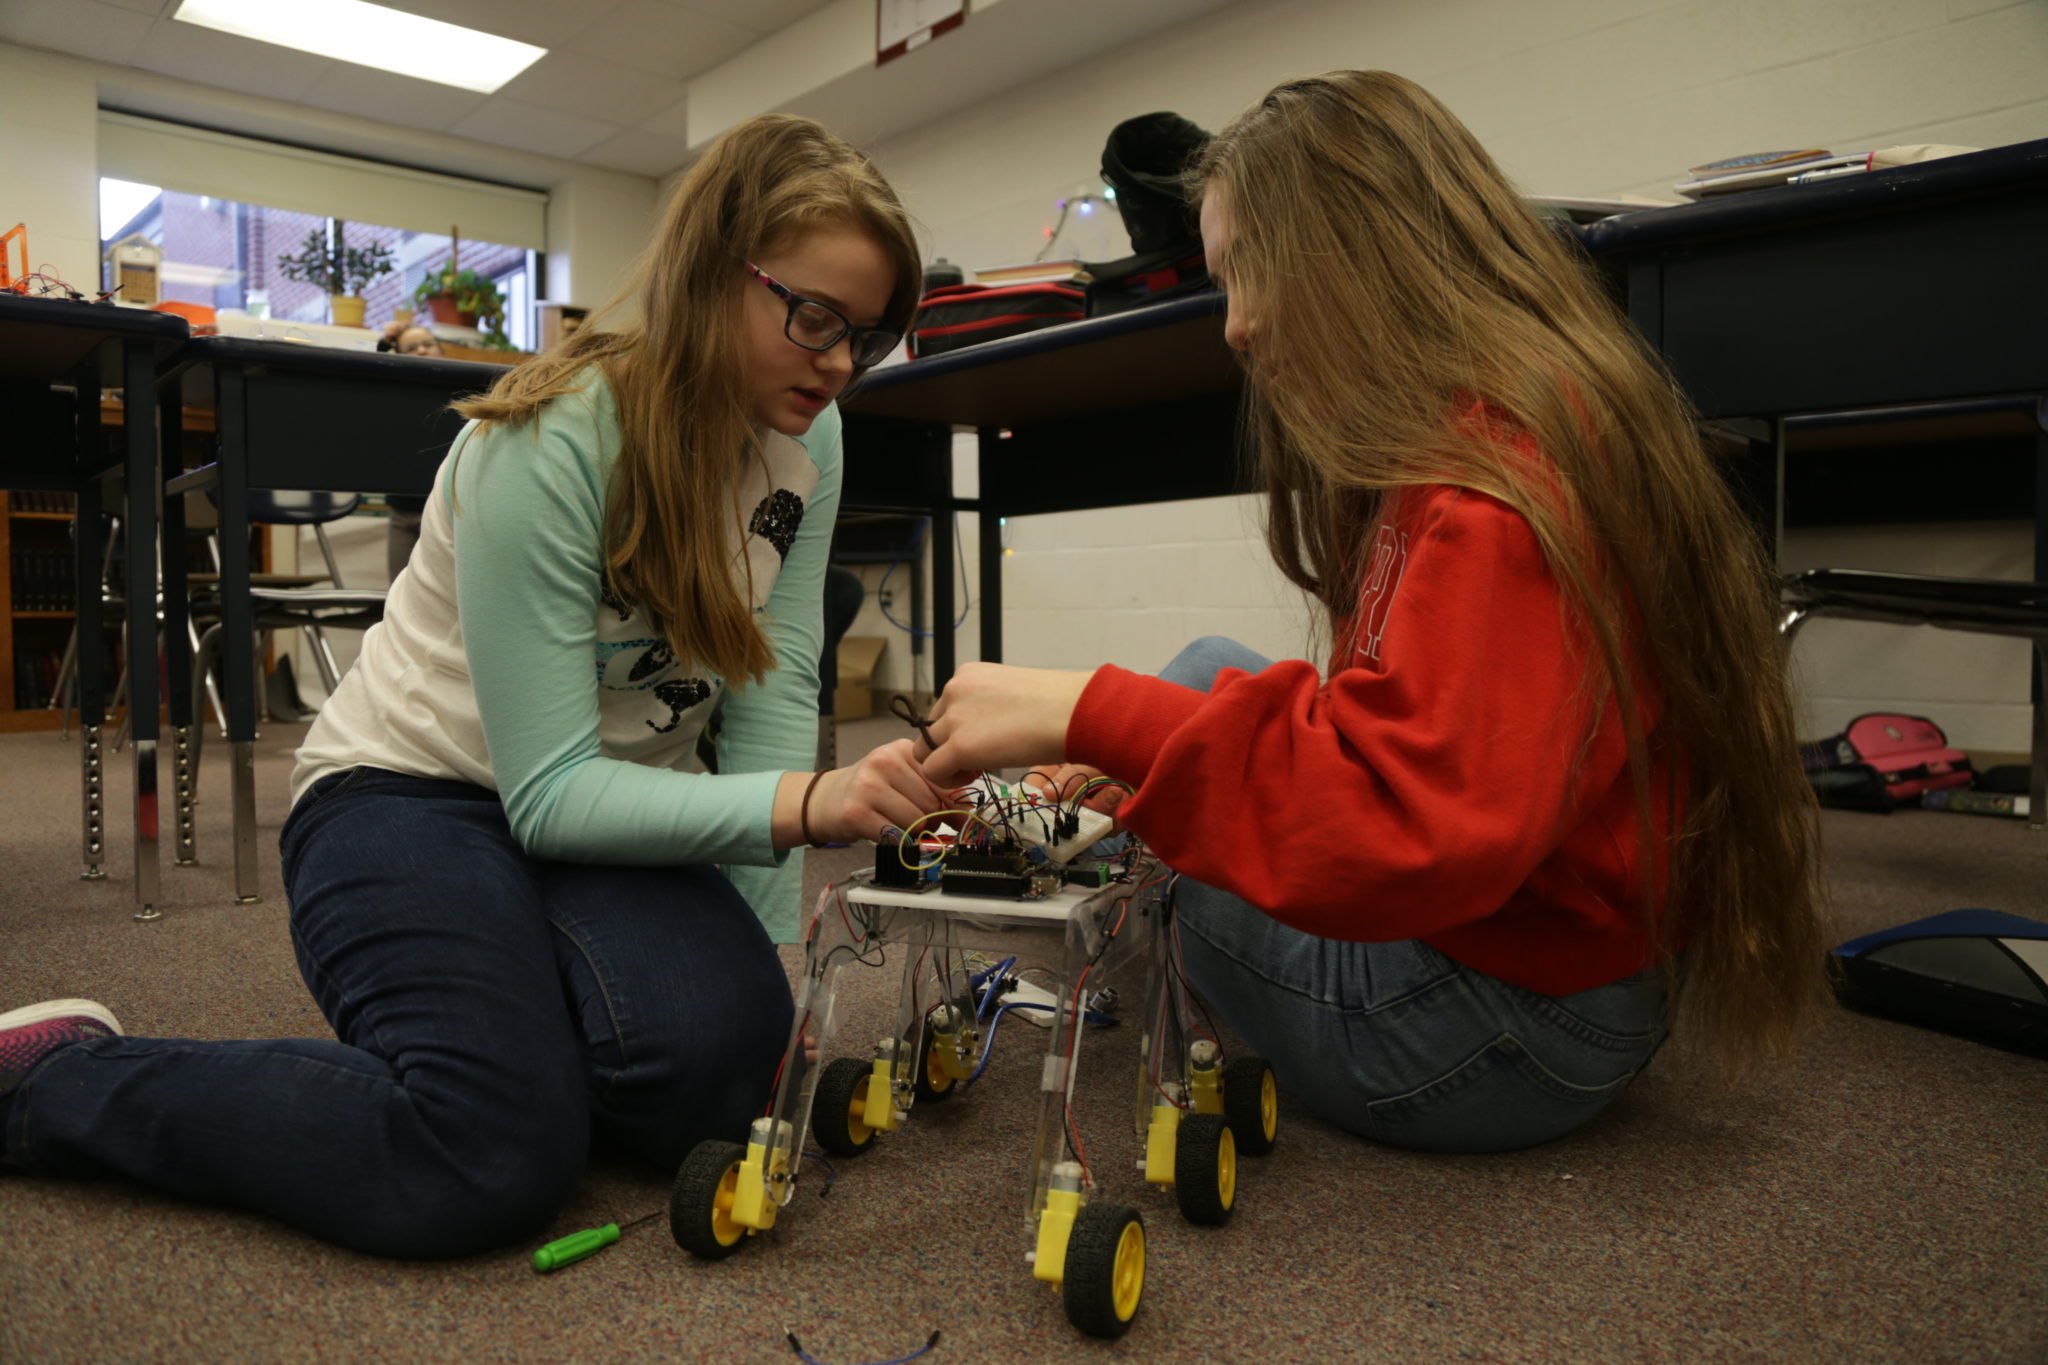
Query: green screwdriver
(564,1250)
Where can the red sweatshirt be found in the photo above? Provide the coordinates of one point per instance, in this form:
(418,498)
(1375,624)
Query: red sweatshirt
(1427,790)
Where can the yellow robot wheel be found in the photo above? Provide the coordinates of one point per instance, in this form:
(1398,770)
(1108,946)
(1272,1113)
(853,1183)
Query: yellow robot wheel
(700,1204)
(1205,1169)
(1105,1272)
(839,1105)
(933,1082)
(1252,1104)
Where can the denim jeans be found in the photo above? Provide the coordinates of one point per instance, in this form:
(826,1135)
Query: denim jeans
(1395,1041)
(493,1010)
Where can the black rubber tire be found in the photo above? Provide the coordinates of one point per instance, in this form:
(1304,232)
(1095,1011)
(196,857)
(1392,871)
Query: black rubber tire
(1244,1104)
(845,1081)
(1205,1170)
(931,1085)
(693,1202)
(1088,1282)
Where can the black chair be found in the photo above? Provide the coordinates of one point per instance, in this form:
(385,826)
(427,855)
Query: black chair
(1979,606)
(313,602)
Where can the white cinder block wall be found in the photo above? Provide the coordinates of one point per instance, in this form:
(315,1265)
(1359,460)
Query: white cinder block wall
(1571,96)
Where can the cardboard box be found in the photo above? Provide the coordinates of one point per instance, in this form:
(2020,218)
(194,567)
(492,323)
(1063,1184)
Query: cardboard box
(853,697)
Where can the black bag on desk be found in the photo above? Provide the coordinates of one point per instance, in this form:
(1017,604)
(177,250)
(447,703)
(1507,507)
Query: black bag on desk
(1153,277)
(1143,161)
(967,314)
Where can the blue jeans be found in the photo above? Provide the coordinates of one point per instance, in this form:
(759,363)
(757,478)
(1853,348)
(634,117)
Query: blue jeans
(493,1011)
(1395,1041)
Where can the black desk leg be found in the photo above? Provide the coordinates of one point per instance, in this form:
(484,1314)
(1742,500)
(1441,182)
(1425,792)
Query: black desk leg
(2038,810)
(90,547)
(177,633)
(238,621)
(991,586)
(945,641)
(138,382)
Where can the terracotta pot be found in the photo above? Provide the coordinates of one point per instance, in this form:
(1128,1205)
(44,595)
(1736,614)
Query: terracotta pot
(345,309)
(443,308)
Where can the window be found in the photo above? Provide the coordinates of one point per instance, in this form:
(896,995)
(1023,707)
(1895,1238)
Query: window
(224,254)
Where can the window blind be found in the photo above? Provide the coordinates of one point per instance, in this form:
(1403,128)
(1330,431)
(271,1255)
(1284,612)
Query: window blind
(249,171)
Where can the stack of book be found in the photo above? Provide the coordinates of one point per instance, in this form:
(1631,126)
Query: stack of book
(1759,169)
(1034,272)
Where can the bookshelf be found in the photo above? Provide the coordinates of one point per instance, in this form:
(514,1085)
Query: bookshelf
(35,587)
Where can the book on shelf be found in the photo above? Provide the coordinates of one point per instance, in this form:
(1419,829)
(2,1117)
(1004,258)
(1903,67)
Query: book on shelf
(1034,272)
(42,500)
(40,580)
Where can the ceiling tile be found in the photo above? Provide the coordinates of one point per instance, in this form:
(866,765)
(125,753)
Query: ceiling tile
(106,33)
(240,64)
(571,83)
(673,121)
(762,16)
(547,23)
(509,123)
(660,38)
(391,98)
(639,151)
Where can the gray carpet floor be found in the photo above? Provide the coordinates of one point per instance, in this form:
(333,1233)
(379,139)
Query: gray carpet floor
(1879,1199)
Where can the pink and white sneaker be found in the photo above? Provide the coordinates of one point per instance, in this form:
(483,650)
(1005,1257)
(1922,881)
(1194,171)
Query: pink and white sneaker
(29,1034)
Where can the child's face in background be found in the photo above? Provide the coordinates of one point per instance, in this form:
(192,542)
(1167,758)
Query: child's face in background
(840,267)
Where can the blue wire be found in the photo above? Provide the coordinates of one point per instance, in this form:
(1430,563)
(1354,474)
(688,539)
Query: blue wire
(989,1044)
(966,602)
(994,979)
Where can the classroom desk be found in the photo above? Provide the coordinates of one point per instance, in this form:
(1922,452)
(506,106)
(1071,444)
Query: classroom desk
(1919,285)
(1114,411)
(52,440)
(1923,284)
(291,418)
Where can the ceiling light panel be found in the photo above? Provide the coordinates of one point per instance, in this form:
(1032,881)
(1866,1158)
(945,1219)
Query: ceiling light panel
(371,35)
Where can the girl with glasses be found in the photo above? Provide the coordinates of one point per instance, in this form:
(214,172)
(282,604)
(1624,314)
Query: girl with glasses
(1546,794)
(531,916)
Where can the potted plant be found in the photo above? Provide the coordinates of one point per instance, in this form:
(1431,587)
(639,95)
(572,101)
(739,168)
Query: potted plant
(463,297)
(342,270)
(466,299)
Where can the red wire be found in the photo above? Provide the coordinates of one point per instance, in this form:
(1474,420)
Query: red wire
(782,1062)
(1074,1039)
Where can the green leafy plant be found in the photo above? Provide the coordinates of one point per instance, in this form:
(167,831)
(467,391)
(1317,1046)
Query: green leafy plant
(473,294)
(336,267)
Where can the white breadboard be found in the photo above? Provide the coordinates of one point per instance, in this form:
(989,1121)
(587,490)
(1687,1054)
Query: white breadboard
(1094,825)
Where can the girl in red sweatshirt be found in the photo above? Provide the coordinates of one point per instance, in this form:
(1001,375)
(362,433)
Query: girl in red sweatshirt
(1545,798)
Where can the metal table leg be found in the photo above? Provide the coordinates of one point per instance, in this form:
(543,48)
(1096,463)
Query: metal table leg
(138,373)
(238,622)
(178,636)
(90,641)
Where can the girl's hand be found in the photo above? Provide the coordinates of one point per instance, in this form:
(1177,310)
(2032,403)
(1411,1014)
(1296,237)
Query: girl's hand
(884,788)
(995,716)
(1070,778)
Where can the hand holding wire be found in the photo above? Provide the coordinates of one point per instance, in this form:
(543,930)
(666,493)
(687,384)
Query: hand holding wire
(886,787)
(1080,785)
(994,716)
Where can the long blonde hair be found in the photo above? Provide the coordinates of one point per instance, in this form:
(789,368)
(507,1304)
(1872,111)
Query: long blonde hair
(685,432)
(1399,278)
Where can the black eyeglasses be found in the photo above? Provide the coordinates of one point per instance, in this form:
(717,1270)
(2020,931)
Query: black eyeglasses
(819,326)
